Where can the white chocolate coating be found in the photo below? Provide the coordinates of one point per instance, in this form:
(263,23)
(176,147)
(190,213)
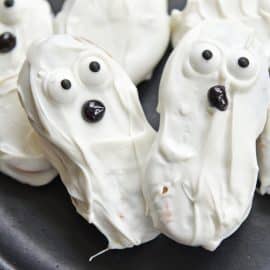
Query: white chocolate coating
(135,32)
(20,154)
(99,163)
(256,15)
(202,172)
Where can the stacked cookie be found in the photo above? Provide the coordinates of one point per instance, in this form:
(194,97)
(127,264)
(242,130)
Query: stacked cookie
(21,22)
(193,180)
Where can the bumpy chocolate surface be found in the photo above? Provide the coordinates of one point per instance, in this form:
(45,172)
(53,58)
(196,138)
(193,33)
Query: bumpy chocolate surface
(93,111)
(218,98)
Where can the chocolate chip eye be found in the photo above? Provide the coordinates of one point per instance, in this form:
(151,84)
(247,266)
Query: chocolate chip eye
(66,84)
(207,55)
(94,66)
(7,42)
(9,3)
(243,62)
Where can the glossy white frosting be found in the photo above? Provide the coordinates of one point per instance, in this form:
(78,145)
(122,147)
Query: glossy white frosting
(202,171)
(20,154)
(135,32)
(100,163)
(256,15)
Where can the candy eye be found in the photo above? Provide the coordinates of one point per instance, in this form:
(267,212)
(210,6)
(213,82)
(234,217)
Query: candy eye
(205,58)
(94,71)
(242,66)
(59,87)
(66,84)
(11,11)
(207,55)
(243,62)
(94,66)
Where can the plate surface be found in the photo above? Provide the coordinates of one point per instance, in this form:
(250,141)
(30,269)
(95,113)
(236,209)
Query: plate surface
(40,230)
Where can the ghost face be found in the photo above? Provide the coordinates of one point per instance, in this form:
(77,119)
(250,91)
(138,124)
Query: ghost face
(80,87)
(20,154)
(16,18)
(95,133)
(202,173)
(11,51)
(256,15)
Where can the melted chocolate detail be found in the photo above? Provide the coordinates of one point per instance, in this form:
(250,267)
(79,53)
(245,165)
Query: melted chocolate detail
(217,97)
(7,42)
(93,111)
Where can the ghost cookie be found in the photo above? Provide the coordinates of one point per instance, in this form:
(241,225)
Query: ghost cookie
(21,22)
(202,171)
(93,130)
(256,15)
(135,32)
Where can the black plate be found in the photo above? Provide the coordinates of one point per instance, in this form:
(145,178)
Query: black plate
(40,230)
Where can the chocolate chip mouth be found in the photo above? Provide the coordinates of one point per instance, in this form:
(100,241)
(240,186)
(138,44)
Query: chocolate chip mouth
(7,42)
(93,111)
(217,97)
